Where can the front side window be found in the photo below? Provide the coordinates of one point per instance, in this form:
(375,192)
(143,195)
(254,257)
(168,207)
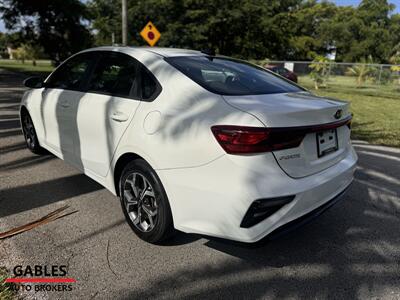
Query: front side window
(231,77)
(71,74)
(114,74)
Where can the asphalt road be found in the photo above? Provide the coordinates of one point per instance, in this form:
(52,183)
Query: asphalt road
(351,251)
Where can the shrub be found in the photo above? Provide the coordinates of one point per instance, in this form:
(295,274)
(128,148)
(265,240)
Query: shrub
(320,71)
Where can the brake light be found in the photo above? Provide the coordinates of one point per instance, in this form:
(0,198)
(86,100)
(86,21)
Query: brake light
(247,140)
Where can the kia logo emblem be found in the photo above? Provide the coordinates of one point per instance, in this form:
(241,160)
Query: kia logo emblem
(338,114)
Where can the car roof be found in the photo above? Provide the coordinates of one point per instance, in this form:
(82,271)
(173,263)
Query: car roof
(165,52)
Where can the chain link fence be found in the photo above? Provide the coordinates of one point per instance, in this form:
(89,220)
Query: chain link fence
(364,73)
(378,78)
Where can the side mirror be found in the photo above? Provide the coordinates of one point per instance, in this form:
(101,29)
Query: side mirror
(34,82)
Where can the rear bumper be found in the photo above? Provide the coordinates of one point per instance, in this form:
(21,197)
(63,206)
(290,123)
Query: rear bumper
(307,218)
(214,198)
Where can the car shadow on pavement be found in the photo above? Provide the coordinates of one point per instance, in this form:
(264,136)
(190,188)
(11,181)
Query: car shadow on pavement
(27,197)
(10,127)
(9,124)
(181,238)
(26,162)
(13,147)
(335,257)
(10,133)
(351,251)
(11,116)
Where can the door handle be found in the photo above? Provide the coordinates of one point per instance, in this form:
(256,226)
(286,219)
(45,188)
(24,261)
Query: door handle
(64,104)
(119,116)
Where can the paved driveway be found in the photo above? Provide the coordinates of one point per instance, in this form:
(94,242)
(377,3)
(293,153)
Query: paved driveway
(352,251)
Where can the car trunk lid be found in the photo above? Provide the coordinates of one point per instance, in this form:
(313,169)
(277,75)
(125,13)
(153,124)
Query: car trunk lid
(323,121)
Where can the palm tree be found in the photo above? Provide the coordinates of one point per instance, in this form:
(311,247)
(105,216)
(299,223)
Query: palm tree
(395,60)
(320,71)
(362,70)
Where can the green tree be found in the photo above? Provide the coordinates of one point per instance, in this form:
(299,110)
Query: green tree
(106,16)
(3,46)
(363,31)
(56,25)
(32,52)
(248,28)
(309,37)
(255,29)
(20,54)
(12,40)
(370,29)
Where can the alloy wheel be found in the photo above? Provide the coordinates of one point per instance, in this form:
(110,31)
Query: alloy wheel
(140,202)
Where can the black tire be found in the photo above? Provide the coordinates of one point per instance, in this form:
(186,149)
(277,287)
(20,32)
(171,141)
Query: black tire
(162,224)
(32,142)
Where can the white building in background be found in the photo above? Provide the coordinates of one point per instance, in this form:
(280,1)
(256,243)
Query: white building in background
(332,53)
(10,52)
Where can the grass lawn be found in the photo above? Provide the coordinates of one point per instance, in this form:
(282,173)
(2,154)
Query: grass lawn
(43,67)
(5,292)
(376,108)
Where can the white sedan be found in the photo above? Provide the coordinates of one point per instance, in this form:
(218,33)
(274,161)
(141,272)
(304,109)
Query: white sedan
(193,141)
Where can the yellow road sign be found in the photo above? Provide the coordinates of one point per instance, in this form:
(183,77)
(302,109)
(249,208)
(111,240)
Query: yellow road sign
(150,34)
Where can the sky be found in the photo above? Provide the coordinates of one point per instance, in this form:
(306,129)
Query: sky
(356,2)
(338,2)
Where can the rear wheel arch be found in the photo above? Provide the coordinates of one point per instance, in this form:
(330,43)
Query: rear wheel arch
(144,201)
(122,161)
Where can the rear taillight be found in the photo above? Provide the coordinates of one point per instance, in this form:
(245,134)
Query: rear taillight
(247,140)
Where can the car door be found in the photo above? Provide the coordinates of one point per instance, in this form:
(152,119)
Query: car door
(60,97)
(105,111)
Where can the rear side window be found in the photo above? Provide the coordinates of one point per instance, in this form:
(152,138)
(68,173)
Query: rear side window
(281,71)
(231,77)
(115,74)
(71,74)
(149,85)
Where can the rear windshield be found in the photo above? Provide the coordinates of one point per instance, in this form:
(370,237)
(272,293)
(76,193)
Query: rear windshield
(231,77)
